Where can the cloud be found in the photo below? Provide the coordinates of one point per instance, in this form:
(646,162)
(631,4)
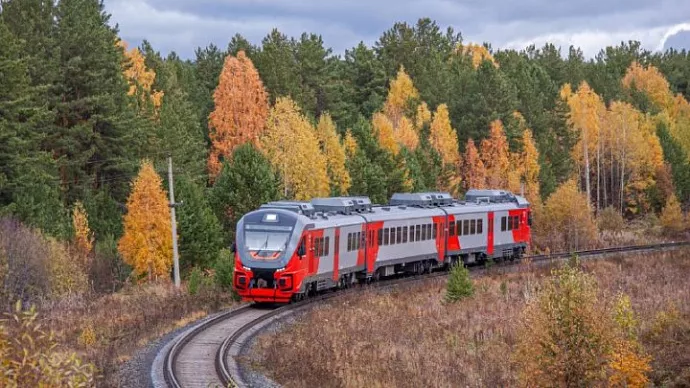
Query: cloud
(183,25)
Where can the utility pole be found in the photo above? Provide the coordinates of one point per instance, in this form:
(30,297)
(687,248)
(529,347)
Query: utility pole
(172,204)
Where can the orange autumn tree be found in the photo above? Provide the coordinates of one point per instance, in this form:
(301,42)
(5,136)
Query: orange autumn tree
(334,151)
(423,116)
(139,76)
(290,143)
(146,243)
(383,131)
(496,156)
(398,128)
(241,108)
(473,171)
(83,238)
(444,140)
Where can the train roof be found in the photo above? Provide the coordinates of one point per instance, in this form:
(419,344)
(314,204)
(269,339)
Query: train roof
(342,211)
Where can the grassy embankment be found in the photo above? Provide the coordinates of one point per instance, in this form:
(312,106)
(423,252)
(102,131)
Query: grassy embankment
(411,338)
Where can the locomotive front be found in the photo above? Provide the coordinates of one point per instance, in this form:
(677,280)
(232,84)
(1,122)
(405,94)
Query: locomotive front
(268,255)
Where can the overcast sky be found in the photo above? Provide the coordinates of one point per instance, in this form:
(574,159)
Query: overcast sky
(183,25)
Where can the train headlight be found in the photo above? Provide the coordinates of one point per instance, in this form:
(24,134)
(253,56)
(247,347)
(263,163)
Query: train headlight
(280,269)
(246,268)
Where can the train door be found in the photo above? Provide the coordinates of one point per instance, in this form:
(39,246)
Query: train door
(311,254)
(490,231)
(336,255)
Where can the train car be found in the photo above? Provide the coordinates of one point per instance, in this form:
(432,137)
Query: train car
(287,250)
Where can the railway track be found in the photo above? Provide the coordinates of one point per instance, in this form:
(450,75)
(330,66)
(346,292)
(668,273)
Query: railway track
(204,356)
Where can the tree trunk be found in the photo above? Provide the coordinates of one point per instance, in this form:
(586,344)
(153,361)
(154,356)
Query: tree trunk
(586,156)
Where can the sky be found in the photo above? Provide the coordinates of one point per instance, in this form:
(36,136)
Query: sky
(184,25)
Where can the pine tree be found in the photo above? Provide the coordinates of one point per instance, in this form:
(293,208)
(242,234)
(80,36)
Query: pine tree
(200,233)
(146,244)
(292,147)
(245,182)
(241,108)
(335,155)
(29,185)
(99,135)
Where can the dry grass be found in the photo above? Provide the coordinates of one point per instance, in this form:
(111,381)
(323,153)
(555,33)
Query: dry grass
(410,338)
(108,329)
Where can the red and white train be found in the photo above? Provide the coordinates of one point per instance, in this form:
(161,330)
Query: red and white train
(286,250)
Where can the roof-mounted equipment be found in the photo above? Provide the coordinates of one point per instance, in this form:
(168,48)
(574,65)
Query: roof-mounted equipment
(421,199)
(493,196)
(342,205)
(299,207)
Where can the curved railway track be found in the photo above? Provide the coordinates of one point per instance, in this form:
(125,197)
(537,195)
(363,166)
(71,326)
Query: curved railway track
(204,356)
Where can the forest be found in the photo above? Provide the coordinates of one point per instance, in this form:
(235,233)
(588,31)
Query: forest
(87,122)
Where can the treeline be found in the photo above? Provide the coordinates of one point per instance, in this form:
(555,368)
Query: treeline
(82,115)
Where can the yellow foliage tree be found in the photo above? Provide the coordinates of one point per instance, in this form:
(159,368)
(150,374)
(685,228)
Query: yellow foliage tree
(350,144)
(529,166)
(406,134)
(627,362)
(444,140)
(139,76)
(443,137)
(145,244)
(83,238)
(473,171)
(241,108)
(383,130)
(567,221)
(335,154)
(291,145)
(423,115)
(478,53)
(650,80)
(586,110)
(401,92)
(672,216)
(496,156)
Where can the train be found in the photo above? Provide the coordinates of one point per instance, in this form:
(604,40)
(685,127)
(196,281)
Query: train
(286,251)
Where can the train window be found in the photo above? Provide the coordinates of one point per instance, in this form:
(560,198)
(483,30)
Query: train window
(326,248)
(349,242)
(516,223)
(363,240)
(503,224)
(404,236)
(465,227)
(398,235)
(435,231)
(379,234)
(458,227)
(412,233)
(316,247)
(473,226)
(479,226)
(424,232)
(451,229)
(360,240)
(429,236)
(417,233)
(385,236)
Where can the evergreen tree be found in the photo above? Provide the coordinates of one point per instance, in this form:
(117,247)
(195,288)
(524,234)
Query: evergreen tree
(201,236)
(678,159)
(244,183)
(29,185)
(98,136)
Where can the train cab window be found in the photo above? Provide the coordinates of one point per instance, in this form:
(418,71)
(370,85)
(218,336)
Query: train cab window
(404,234)
(473,226)
(503,224)
(479,226)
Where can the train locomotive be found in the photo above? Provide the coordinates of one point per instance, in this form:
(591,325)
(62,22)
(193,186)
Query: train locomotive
(287,250)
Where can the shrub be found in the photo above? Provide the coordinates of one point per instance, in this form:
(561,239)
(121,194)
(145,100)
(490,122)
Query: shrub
(672,216)
(67,276)
(610,220)
(194,281)
(224,268)
(30,357)
(459,284)
(567,336)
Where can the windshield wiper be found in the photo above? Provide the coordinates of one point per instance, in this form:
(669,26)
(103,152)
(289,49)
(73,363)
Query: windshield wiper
(263,246)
